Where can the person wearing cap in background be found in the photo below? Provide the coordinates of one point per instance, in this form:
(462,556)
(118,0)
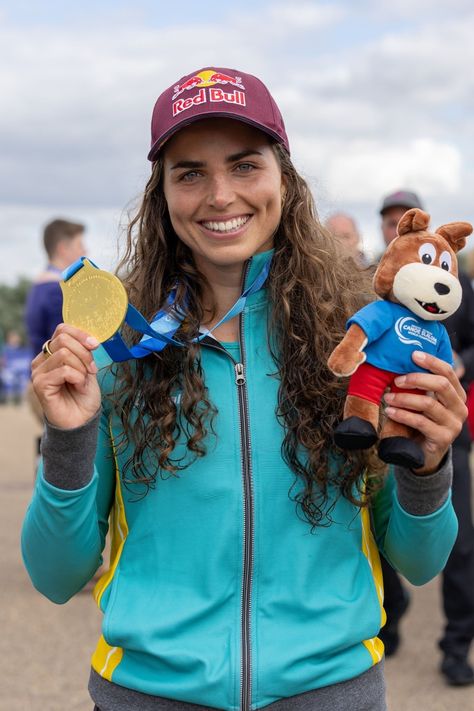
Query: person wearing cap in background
(393,208)
(396,599)
(243,567)
(458,575)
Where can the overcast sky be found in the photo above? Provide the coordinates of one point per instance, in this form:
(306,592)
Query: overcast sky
(376,96)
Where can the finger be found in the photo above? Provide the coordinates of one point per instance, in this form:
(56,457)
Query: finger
(444,389)
(88,341)
(47,383)
(64,356)
(440,434)
(439,367)
(64,341)
(429,406)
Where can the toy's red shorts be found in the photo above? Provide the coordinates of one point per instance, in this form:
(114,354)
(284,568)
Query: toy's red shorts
(370,383)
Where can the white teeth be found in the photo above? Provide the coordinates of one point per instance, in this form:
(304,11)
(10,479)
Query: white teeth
(228,226)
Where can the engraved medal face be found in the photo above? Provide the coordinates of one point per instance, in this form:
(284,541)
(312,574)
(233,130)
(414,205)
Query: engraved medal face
(94,301)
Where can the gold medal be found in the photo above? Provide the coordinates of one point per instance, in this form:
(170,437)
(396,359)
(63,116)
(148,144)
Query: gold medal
(94,301)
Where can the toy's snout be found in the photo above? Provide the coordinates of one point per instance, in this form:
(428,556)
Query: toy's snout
(429,291)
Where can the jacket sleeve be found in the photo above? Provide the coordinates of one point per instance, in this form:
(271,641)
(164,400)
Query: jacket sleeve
(66,523)
(414,522)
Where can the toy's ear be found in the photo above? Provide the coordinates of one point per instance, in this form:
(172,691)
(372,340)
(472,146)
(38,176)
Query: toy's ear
(413,220)
(455,234)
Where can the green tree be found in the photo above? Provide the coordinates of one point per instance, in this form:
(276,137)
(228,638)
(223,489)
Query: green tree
(12,308)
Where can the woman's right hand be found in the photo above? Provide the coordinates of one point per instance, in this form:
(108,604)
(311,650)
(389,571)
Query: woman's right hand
(66,382)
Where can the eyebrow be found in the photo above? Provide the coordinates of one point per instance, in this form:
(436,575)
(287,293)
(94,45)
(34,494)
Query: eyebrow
(192,164)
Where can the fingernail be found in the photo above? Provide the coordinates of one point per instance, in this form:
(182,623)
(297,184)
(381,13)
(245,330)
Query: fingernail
(93,368)
(91,341)
(419,355)
(400,381)
(389,411)
(388,397)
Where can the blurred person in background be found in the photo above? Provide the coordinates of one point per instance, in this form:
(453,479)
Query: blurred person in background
(470,266)
(64,243)
(345,229)
(15,368)
(396,597)
(458,575)
(393,208)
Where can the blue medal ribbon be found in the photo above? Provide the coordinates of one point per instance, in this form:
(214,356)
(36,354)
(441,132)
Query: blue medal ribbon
(160,332)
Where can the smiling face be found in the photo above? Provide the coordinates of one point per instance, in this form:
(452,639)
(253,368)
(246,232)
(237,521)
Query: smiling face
(223,187)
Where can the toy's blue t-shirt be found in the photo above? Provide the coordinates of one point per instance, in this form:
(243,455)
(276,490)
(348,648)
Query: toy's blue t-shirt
(394,332)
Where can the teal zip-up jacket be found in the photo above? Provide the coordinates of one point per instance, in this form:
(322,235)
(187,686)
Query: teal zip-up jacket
(217,592)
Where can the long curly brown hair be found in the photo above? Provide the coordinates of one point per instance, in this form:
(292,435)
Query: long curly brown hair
(313,290)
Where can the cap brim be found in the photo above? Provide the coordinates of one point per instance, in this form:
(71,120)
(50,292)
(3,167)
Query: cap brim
(158,145)
(398,204)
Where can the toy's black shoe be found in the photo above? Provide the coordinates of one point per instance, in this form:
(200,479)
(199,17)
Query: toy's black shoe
(401,451)
(355,433)
(457,670)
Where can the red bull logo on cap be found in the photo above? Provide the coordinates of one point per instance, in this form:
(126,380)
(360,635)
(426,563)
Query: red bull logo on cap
(208,79)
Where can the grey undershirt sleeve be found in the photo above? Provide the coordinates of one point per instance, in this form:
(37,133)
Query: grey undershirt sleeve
(423,495)
(68,455)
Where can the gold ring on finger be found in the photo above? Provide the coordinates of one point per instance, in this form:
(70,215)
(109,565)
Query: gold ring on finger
(46,349)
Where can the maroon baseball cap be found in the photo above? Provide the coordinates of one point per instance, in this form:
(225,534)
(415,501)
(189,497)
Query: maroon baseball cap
(215,92)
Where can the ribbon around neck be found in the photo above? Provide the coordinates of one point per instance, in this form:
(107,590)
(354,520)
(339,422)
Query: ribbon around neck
(160,332)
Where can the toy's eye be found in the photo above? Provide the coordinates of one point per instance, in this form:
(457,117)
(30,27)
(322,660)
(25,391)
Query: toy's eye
(427,253)
(445,261)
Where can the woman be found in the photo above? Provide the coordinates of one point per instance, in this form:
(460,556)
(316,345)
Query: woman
(244,570)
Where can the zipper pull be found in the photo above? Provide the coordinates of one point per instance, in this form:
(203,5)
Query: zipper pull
(239,374)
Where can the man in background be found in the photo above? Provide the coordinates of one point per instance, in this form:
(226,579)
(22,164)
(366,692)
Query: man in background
(345,230)
(393,208)
(458,575)
(64,244)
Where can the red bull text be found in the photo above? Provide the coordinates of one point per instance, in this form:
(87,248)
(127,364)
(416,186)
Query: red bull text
(214,95)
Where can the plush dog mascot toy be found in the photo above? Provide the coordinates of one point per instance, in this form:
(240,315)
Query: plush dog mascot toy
(417,282)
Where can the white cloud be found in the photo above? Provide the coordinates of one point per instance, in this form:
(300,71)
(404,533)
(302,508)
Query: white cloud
(395,109)
(21,230)
(364,170)
(306,15)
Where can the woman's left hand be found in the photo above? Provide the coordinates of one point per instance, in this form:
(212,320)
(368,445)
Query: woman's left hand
(437,414)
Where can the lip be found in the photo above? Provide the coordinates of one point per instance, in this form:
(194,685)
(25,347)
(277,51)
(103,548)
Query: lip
(218,236)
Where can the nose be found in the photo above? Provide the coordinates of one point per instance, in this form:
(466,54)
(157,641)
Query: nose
(441,289)
(221,193)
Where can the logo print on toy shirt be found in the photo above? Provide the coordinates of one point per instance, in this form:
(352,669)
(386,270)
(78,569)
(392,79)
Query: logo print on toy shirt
(410,332)
(208,80)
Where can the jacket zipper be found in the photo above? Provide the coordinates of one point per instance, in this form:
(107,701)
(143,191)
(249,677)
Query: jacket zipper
(244,421)
(246,680)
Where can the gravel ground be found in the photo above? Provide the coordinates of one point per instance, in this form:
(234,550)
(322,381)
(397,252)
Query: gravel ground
(45,649)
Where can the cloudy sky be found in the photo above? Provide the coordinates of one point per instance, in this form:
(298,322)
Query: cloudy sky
(376,96)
